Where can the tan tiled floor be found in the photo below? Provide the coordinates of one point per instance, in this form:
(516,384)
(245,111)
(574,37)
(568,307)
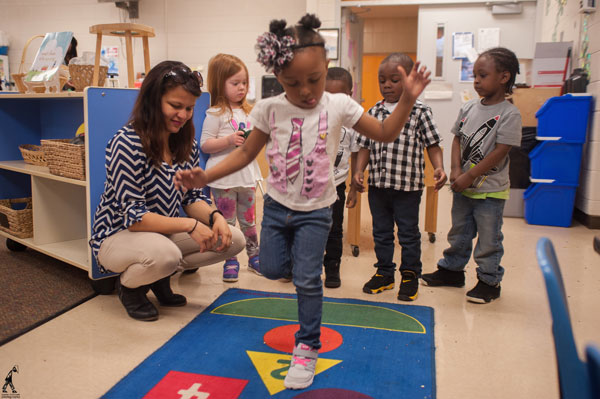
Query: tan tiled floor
(501,350)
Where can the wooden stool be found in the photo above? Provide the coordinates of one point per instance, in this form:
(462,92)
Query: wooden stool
(128,31)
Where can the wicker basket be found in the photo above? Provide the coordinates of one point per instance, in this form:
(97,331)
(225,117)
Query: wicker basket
(18,222)
(36,87)
(65,159)
(33,154)
(82,75)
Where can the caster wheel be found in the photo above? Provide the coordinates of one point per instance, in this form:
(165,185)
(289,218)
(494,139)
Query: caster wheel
(15,246)
(190,271)
(104,286)
(431,238)
(355,250)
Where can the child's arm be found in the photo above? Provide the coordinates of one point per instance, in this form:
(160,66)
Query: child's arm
(351,199)
(437,161)
(455,161)
(465,180)
(362,159)
(236,160)
(387,131)
(213,145)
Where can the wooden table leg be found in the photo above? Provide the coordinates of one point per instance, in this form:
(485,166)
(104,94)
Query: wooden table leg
(146,54)
(128,48)
(96,75)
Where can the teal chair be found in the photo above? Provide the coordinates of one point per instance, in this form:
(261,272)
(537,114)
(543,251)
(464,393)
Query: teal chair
(573,374)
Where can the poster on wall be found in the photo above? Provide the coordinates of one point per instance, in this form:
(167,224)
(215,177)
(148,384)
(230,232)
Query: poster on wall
(461,43)
(466,71)
(488,38)
(331,37)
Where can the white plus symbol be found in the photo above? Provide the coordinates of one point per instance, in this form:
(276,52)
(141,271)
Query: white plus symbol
(193,393)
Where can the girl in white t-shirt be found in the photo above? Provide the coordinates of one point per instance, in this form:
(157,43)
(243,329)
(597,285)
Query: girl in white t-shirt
(301,129)
(226,127)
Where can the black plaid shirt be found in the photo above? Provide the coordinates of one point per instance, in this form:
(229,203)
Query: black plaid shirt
(400,164)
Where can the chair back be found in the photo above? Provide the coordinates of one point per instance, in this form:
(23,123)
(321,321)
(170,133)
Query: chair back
(572,372)
(593,361)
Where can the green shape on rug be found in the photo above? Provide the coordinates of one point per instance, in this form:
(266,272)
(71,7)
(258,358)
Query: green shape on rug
(341,314)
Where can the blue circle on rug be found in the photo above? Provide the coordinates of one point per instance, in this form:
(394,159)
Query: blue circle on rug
(329,393)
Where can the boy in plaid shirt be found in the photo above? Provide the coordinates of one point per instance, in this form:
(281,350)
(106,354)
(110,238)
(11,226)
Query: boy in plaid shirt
(396,182)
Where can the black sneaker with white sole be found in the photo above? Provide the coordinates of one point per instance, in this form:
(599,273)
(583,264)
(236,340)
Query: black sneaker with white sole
(483,293)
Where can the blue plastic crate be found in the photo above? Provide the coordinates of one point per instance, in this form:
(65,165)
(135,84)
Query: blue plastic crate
(565,117)
(549,204)
(556,160)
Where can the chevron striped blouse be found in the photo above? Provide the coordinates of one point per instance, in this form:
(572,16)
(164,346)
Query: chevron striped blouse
(134,187)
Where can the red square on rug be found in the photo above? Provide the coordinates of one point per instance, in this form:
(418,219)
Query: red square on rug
(177,384)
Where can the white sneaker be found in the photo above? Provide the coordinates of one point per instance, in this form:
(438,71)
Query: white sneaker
(302,368)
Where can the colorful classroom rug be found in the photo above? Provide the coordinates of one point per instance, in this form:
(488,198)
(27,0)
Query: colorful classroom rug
(240,347)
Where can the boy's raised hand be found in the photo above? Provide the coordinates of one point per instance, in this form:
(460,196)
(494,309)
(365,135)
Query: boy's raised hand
(190,178)
(416,81)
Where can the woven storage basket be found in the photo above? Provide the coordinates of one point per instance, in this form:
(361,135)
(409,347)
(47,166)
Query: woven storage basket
(18,222)
(65,159)
(81,76)
(33,154)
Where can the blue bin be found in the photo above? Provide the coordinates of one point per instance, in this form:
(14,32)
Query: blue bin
(556,160)
(550,204)
(565,117)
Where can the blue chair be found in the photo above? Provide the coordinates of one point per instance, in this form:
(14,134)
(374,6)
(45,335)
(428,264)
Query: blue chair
(573,373)
(592,354)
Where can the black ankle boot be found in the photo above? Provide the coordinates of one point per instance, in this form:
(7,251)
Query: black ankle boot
(332,275)
(136,303)
(166,297)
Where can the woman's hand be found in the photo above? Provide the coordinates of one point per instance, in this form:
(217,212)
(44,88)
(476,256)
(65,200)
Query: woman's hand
(221,232)
(190,178)
(204,236)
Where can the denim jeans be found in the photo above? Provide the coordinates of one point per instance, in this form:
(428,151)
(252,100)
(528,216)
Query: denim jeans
(389,206)
(333,250)
(294,239)
(472,217)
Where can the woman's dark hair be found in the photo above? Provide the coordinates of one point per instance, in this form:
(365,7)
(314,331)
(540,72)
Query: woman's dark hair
(147,118)
(505,60)
(71,51)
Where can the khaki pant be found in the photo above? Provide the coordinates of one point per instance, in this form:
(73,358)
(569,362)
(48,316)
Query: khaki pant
(145,257)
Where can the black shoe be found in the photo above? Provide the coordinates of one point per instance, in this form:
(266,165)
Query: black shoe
(379,283)
(409,286)
(166,297)
(444,278)
(136,303)
(332,275)
(483,293)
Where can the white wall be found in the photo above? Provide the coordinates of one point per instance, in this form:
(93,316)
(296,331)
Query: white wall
(517,32)
(190,31)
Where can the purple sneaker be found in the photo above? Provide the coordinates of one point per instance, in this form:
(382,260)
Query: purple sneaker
(231,269)
(253,265)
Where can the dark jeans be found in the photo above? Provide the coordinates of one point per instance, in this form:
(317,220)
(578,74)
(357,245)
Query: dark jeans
(389,206)
(333,250)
